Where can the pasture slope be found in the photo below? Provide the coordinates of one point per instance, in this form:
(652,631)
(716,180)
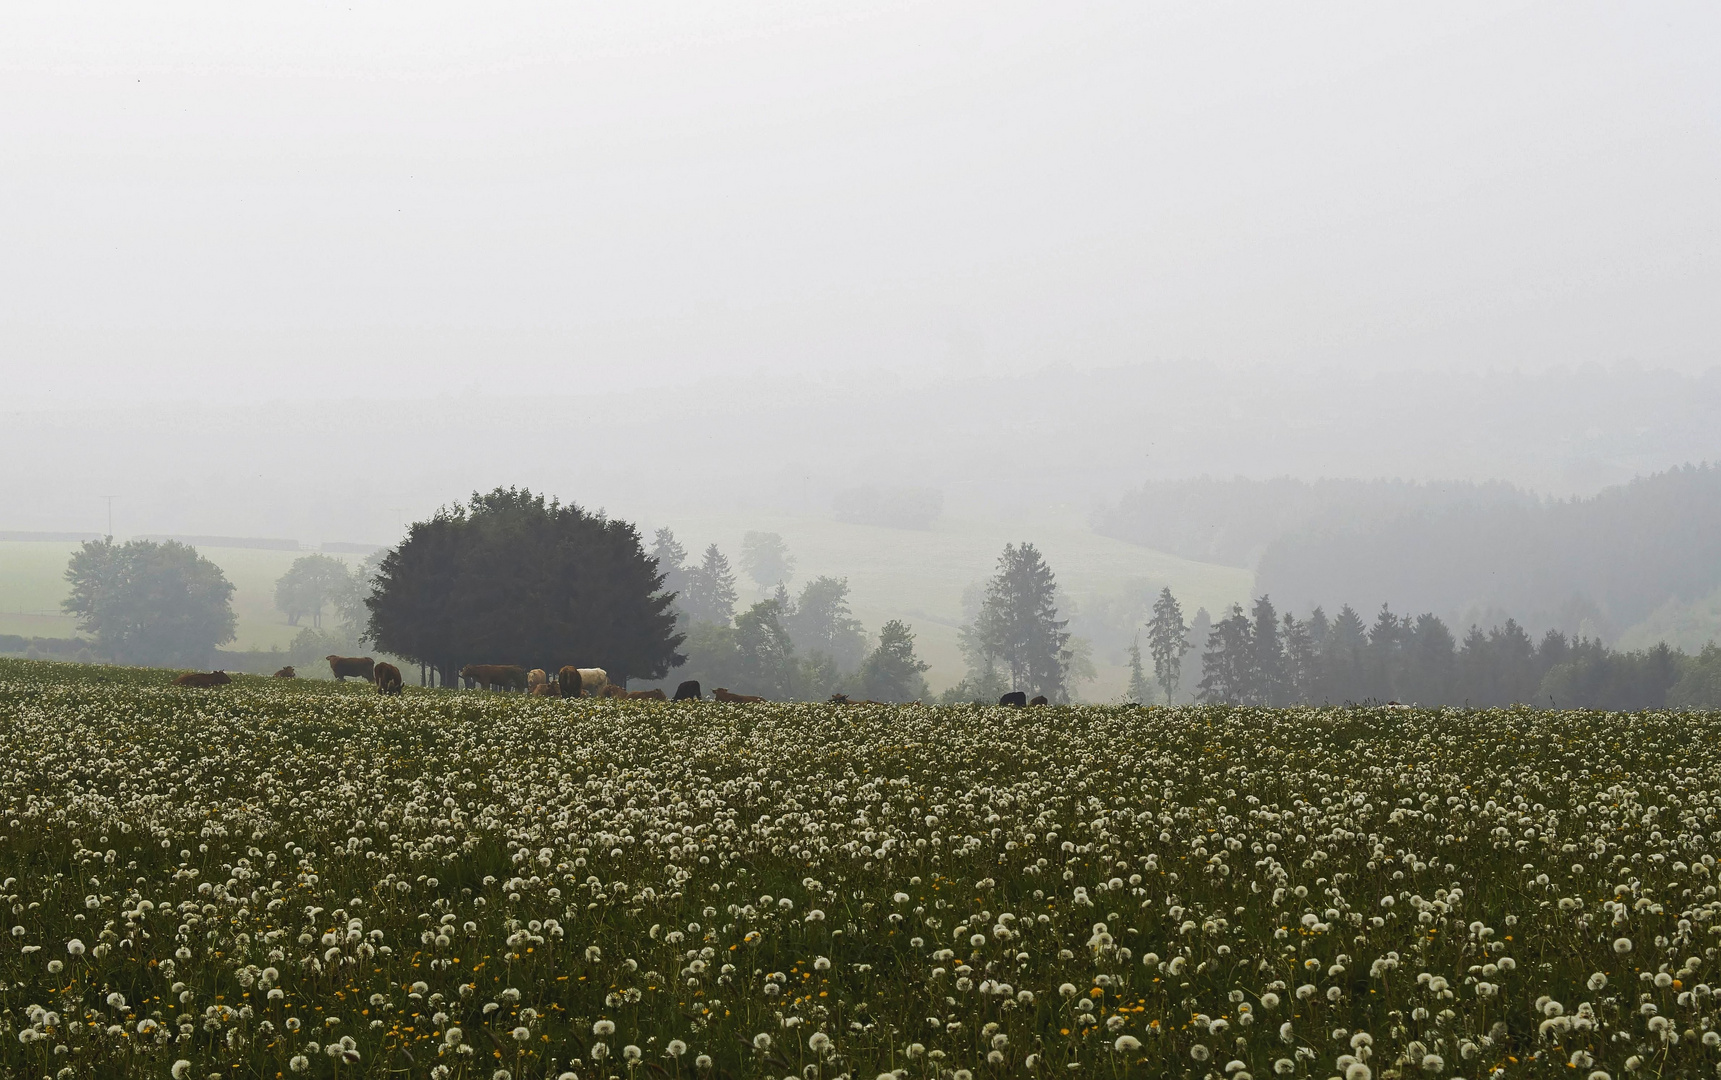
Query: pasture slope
(311,880)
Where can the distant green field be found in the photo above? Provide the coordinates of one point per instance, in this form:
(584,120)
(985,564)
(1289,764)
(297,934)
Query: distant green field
(915,576)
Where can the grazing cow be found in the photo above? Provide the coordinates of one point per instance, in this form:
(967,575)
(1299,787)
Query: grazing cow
(494,676)
(388,679)
(1016,698)
(689,691)
(359,667)
(287,673)
(534,679)
(203,679)
(722,694)
(653,694)
(1038,699)
(583,682)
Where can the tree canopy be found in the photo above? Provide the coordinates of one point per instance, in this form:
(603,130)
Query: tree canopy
(149,603)
(311,584)
(513,578)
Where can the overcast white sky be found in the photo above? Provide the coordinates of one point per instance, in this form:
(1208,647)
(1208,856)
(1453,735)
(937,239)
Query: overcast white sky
(228,201)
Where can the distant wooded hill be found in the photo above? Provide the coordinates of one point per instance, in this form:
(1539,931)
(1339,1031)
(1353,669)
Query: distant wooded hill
(1233,522)
(1595,565)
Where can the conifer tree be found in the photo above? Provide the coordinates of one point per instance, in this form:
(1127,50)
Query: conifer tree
(1167,642)
(1266,674)
(1019,623)
(710,595)
(1228,659)
(1140,690)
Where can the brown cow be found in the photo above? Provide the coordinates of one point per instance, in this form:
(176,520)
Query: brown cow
(614,691)
(582,682)
(287,673)
(494,676)
(203,679)
(547,689)
(722,694)
(653,694)
(359,667)
(1038,699)
(534,679)
(387,679)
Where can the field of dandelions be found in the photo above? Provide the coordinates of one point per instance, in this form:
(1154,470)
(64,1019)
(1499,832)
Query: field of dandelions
(309,880)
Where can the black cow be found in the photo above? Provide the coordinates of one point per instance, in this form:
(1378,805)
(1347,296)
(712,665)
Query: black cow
(689,691)
(1017,698)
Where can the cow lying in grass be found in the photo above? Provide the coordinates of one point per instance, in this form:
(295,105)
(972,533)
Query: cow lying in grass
(203,679)
(721,694)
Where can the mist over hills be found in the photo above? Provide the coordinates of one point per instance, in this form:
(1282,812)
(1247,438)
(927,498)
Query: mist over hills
(1063,441)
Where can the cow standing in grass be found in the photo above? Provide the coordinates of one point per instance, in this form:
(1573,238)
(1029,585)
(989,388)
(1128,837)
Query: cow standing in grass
(358,667)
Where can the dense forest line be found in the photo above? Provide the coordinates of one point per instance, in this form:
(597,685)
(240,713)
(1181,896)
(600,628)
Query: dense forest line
(1260,657)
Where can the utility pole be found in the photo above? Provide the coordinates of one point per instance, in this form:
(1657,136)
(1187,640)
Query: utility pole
(110,499)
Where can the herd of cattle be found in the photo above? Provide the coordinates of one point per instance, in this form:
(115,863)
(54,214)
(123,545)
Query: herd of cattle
(570,682)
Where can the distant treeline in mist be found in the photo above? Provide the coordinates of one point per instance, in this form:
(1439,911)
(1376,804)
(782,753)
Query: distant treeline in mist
(1233,521)
(1464,551)
(1259,657)
(1609,560)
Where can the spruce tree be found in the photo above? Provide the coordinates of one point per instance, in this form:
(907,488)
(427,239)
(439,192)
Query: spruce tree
(1019,623)
(1299,660)
(710,594)
(1228,660)
(1167,642)
(1140,690)
(671,560)
(1266,674)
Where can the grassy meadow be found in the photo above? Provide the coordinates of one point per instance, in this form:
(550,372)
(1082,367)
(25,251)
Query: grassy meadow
(305,879)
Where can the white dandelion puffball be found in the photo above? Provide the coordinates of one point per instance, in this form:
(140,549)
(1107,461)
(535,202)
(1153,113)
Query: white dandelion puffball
(1622,945)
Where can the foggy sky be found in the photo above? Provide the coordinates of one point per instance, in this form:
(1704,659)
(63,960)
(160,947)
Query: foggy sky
(247,203)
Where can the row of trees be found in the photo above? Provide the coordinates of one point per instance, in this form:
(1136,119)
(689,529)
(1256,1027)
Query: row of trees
(1260,657)
(784,646)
